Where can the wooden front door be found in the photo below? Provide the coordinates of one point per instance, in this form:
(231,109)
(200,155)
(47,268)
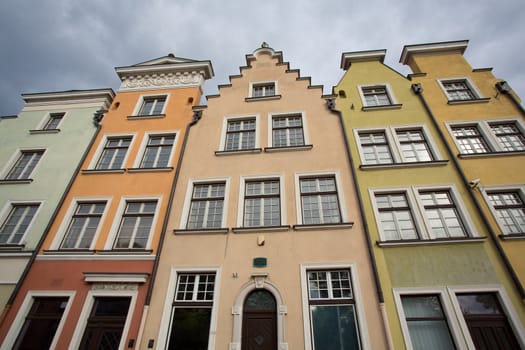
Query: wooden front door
(487,323)
(259,324)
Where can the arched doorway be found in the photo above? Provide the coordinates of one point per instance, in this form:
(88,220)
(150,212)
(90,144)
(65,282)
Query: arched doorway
(259,321)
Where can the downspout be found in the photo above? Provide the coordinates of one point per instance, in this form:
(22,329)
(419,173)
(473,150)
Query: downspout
(505,89)
(330,103)
(196,117)
(418,90)
(97,118)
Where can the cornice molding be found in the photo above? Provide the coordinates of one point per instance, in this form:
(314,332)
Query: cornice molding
(347,58)
(161,81)
(433,48)
(104,96)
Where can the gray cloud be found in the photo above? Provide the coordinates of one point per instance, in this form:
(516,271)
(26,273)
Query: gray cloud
(66,44)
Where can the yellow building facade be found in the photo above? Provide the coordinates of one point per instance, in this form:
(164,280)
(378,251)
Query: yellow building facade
(430,243)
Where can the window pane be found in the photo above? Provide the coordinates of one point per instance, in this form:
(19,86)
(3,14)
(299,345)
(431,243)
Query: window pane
(334,327)
(190,329)
(479,304)
(17,222)
(426,322)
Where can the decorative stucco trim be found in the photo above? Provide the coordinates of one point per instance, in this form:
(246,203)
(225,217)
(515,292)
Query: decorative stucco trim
(155,80)
(94,277)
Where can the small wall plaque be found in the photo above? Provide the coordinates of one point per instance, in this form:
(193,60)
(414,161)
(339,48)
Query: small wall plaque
(260,262)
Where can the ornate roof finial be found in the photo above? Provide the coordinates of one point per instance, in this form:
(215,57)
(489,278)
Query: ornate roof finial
(265,45)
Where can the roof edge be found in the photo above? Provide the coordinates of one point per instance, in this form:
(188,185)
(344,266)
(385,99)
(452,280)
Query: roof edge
(432,48)
(347,58)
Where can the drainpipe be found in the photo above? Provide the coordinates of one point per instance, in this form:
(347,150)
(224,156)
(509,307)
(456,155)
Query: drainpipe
(330,103)
(97,118)
(196,117)
(505,89)
(418,90)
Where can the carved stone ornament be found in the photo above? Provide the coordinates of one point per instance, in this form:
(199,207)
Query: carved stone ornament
(158,81)
(259,280)
(114,286)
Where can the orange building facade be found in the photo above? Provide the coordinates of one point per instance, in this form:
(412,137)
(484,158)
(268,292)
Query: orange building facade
(88,286)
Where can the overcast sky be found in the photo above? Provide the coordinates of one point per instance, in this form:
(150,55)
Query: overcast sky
(55,45)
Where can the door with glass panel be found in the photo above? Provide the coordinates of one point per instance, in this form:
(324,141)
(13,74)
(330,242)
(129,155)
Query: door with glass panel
(259,322)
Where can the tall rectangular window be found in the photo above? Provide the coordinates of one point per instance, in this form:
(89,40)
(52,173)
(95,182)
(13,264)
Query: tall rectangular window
(206,208)
(41,323)
(332,310)
(24,165)
(470,140)
(287,131)
(191,313)
(427,323)
(442,214)
(264,89)
(319,200)
(158,151)
(135,225)
(53,121)
(17,222)
(458,90)
(240,134)
(114,153)
(262,203)
(376,96)
(152,105)
(83,225)
(510,138)
(414,147)
(510,211)
(375,148)
(395,216)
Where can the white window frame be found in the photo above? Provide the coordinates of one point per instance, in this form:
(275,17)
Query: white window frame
(24,309)
(388,89)
(520,189)
(486,132)
(189,194)
(47,119)
(224,131)
(86,311)
(338,187)
(285,114)
(394,144)
(242,191)
(166,319)
(144,144)
(102,144)
(6,210)
(448,311)
(113,232)
(418,211)
(362,327)
(14,159)
(264,82)
(144,97)
(477,94)
(68,216)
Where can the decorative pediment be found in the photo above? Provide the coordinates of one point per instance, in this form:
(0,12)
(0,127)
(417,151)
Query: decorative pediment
(165,72)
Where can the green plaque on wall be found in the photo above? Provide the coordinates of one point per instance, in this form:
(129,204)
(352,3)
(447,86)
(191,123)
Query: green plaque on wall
(260,262)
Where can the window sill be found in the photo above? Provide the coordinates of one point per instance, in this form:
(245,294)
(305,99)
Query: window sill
(288,148)
(261,229)
(144,170)
(199,231)
(42,131)
(411,242)
(140,117)
(262,98)
(241,151)
(403,165)
(512,236)
(373,108)
(125,252)
(17,181)
(474,100)
(490,154)
(337,226)
(11,248)
(102,171)
(69,252)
